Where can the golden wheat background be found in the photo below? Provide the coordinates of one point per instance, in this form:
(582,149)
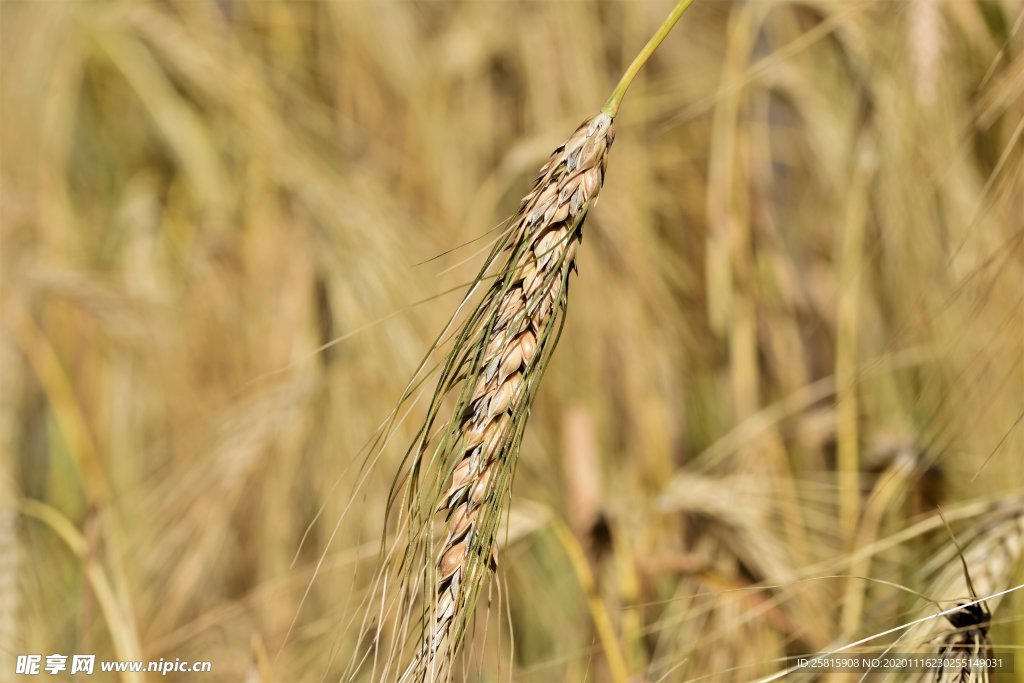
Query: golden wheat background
(796,330)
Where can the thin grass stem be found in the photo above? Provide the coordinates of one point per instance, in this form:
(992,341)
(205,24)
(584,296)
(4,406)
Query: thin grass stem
(611,107)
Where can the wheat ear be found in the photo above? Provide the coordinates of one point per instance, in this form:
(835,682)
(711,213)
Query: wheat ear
(989,564)
(512,334)
(494,368)
(993,561)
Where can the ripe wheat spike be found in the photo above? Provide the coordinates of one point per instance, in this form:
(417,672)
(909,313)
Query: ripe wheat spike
(499,357)
(462,461)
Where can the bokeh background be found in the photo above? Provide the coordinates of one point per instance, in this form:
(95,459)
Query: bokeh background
(796,331)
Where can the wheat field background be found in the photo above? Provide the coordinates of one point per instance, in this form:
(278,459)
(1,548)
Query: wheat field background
(230,230)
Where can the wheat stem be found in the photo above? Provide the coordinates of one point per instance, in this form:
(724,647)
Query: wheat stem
(611,107)
(598,611)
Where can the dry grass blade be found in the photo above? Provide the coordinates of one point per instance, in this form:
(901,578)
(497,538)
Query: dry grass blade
(499,356)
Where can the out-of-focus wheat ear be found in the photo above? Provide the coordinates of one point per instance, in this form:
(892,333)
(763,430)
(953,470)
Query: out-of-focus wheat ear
(988,564)
(992,554)
(969,643)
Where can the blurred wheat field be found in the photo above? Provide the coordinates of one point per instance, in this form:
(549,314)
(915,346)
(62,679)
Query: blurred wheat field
(230,230)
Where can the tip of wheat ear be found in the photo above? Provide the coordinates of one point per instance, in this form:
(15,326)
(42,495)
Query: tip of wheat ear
(510,334)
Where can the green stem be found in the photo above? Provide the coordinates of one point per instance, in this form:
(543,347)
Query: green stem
(611,107)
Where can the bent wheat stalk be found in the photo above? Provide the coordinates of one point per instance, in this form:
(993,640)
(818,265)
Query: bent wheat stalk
(499,354)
